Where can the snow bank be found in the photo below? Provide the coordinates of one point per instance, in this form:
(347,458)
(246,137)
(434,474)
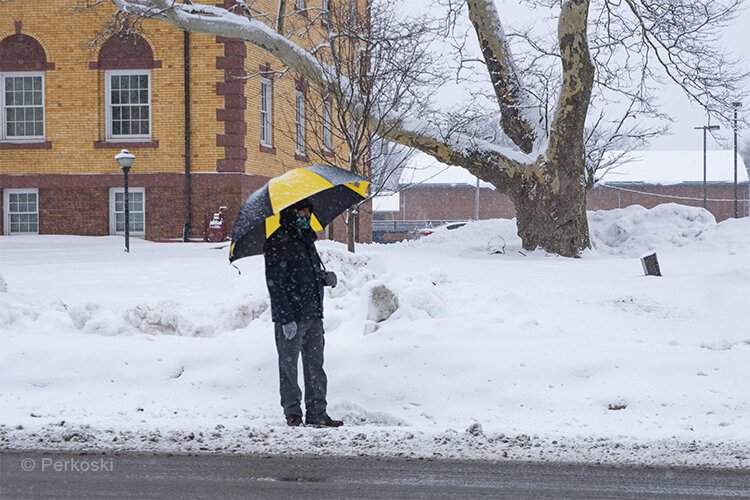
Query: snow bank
(629,232)
(489,354)
(634,230)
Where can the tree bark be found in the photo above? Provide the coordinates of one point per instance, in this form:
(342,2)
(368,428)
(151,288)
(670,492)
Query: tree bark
(506,82)
(552,210)
(351,229)
(551,214)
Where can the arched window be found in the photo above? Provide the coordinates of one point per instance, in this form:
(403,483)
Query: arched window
(126,52)
(127,62)
(23,62)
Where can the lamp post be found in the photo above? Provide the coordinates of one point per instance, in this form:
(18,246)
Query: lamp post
(705,128)
(126,159)
(736,106)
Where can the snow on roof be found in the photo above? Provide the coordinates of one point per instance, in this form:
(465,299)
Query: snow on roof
(675,167)
(386,203)
(424,169)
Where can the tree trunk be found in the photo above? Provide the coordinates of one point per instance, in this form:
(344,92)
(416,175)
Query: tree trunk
(551,211)
(552,214)
(351,229)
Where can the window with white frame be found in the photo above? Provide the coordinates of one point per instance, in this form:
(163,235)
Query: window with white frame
(128,103)
(136,211)
(21,208)
(299,123)
(266,109)
(325,8)
(327,140)
(299,5)
(22,106)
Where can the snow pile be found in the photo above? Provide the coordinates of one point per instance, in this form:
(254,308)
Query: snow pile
(476,354)
(630,232)
(634,230)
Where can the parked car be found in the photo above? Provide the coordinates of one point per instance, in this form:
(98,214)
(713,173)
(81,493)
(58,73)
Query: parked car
(437,229)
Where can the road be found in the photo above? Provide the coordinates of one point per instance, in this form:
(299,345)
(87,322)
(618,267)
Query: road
(58,475)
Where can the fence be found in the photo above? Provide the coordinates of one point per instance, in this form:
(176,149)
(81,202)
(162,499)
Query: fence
(406,226)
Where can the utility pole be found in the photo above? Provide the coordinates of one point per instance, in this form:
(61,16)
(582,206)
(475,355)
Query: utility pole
(736,106)
(705,129)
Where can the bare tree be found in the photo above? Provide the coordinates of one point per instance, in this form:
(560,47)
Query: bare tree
(544,172)
(379,72)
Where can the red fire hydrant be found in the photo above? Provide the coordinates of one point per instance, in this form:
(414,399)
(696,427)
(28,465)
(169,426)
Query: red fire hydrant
(217,228)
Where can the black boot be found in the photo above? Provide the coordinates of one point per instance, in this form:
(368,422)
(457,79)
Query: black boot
(294,420)
(324,422)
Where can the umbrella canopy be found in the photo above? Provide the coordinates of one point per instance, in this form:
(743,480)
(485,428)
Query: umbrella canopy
(331,190)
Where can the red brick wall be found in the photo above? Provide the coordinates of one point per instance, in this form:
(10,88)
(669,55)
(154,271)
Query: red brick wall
(457,203)
(607,198)
(211,191)
(454,203)
(164,212)
(74,211)
(79,204)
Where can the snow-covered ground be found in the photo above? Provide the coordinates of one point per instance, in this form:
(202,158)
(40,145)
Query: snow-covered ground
(517,355)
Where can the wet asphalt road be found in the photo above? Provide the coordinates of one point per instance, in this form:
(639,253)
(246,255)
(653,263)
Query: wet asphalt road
(57,475)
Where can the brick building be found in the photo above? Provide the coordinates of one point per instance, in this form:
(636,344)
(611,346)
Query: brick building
(208,118)
(649,178)
(432,192)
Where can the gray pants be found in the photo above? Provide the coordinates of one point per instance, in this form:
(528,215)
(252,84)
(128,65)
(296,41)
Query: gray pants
(310,341)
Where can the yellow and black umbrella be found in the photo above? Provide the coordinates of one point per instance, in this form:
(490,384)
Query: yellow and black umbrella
(331,190)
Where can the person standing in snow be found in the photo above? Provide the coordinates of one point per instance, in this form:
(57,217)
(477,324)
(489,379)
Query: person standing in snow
(295,280)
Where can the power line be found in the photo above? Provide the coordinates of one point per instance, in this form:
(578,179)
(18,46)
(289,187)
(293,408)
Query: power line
(666,195)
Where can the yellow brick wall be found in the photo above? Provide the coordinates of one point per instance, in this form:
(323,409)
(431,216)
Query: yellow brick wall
(74,94)
(284,92)
(204,102)
(74,97)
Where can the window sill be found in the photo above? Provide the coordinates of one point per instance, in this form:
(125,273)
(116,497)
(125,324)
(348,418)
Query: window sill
(26,145)
(301,157)
(328,153)
(267,149)
(125,144)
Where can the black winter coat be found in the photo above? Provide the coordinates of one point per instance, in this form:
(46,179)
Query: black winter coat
(293,275)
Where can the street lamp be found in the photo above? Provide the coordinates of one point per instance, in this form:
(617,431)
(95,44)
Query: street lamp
(736,106)
(705,128)
(126,159)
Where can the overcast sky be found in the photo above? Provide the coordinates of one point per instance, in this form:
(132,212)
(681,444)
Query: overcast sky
(687,116)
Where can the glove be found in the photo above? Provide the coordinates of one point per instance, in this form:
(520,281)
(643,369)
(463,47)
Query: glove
(330,279)
(289,330)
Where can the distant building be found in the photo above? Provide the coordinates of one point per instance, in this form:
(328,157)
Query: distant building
(432,192)
(649,178)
